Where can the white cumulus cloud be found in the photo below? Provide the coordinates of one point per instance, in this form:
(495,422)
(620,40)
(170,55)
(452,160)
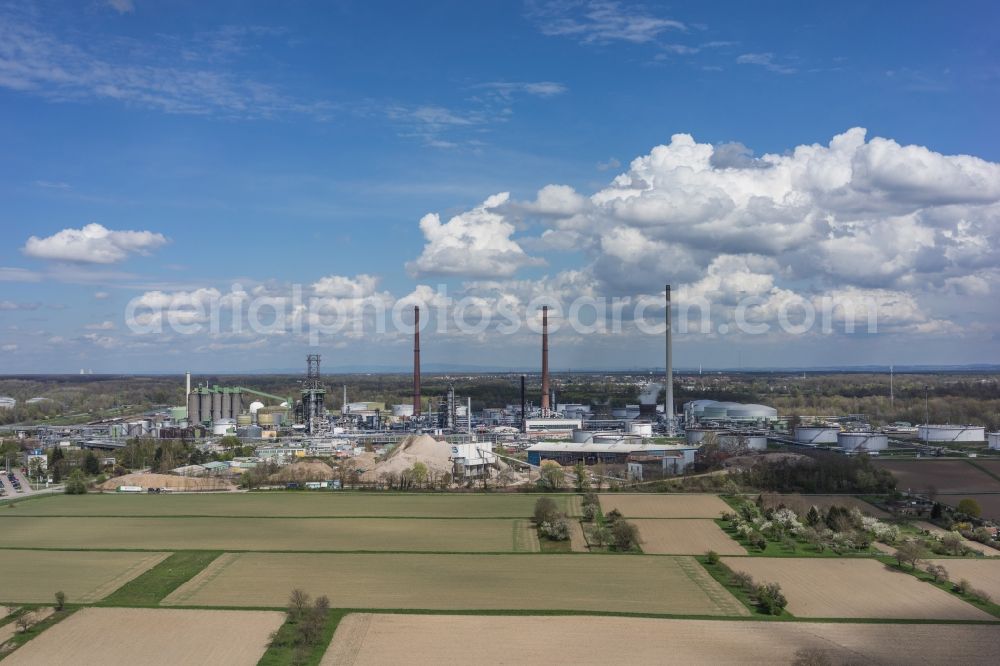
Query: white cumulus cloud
(476,243)
(93,244)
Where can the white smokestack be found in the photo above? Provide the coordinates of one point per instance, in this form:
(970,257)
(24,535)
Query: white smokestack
(187,384)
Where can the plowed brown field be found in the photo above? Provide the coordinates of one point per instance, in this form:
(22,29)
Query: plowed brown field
(151,637)
(664,505)
(429,640)
(829,587)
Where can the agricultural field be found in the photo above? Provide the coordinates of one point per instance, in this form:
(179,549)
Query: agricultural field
(152,637)
(982,574)
(310,534)
(800,504)
(293,504)
(475,582)
(854,588)
(665,536)
(944,476)
(429,640)
(647,505)
(33,576)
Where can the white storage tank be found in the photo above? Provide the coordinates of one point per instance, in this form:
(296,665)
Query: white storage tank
(951,433)
(865,441)
(994,440)
(814,435)
(735,440)
(641,428)
(223,427)
(403,411)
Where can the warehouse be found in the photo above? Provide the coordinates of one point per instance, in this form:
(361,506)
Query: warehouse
(607,451)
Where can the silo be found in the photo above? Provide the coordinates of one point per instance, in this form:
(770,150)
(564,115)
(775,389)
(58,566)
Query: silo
(216,405)
(863,441)
(194,408)
(206,406)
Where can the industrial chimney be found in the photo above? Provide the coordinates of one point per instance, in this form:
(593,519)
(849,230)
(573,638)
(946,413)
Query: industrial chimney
(416,361)
(668,411)
(187,384)
(545,360)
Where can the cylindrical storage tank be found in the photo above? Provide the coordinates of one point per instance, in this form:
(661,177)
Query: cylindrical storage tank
(994,441)
(640,428)
(694,435)
(951,433)
(865,441)
(813,435)
(752,412)
(194,408)
(216,406)
(223,427)
(582,436)
(236,400)
(735,440)
(265,419)
(402,411)
(244,419)
(206,407)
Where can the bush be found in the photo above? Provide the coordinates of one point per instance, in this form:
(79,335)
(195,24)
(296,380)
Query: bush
(76,484)
(970,507)
(938,572)
(624,536)
(60,600)
(545,510)
(770,598)
(556,529)
(962,587)
(743,580)
(757,540)
(590,512)
(712,557)
(591,499)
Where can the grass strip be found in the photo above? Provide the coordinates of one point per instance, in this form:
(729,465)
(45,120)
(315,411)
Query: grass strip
(151,587)
(724,576)
(20,639)
(284,650)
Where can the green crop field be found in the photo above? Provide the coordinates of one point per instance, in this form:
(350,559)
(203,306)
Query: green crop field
(475,582)
(319,534)
(33,576)
(292,504)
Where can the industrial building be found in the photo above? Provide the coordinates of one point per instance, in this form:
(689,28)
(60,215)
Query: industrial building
(994,440)
(951,433)
(551,428)
(613,451)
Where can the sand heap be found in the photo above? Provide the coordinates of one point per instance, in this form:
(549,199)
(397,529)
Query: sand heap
(300,472)
(417,448)
(187,483)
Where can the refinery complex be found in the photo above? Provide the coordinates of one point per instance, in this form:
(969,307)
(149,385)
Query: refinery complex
(654,438)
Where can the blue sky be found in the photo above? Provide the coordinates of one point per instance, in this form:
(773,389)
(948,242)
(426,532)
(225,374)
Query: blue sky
(282,144)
